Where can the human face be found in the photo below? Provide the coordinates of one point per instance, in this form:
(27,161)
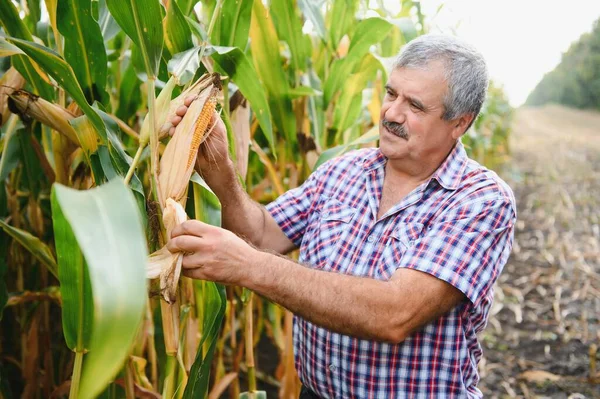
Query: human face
(411,127)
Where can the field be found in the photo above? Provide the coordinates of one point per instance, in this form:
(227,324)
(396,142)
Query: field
(547,305)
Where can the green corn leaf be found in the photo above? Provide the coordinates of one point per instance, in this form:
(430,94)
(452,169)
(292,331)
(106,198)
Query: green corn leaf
(178,36)
(120,162)
(108,25)
(289,29)
(345,114)
(233,62)
(186,6)
(233,24)
(55,66)
(206,204)
(84,47)
(267,61)
(33,172)
(130,96)
(34,13)
(214,301)
(104,224)
(10,149)
(34,245)
(210,297)
(311,11)
(368,137)
(7,49)
(75,285)
(14,26)
(51,7)
(185,64)
(265,51)
(142,22)
(341,17)
(368,32)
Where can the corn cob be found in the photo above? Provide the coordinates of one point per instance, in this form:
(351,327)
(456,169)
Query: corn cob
(201,128)
(176,168)
(193,91)
(176,164)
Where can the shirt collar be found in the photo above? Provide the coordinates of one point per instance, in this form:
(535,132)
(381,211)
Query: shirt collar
(448,175)
(450,172)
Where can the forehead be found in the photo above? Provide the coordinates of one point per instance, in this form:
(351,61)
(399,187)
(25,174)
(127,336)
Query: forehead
(428,83)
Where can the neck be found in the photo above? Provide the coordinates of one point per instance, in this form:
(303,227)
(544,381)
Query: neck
(409,171)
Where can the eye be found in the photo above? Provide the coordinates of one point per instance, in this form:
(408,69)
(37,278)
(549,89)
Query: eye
(390,93)
(415,106)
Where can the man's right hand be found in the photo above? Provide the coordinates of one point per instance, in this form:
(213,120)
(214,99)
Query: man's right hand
(213,153)
(240,214)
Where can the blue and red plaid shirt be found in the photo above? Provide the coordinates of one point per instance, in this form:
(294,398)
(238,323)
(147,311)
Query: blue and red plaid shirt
(457,226)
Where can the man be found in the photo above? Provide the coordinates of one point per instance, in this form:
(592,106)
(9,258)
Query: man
(399,245)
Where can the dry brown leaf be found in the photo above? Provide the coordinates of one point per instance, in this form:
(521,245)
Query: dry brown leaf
(538,376)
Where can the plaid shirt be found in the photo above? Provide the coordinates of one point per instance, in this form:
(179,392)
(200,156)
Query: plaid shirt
(457,226)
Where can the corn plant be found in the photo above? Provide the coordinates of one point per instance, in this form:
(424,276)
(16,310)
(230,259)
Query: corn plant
(92,184)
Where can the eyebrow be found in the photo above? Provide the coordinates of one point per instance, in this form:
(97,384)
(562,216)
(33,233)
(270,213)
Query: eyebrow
(413,100)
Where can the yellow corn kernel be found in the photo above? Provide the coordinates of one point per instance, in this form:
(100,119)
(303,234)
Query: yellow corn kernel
(200,128)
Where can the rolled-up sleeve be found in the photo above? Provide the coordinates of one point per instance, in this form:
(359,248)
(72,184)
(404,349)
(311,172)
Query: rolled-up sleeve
(467,247)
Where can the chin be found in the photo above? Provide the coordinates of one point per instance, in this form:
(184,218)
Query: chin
(392,147)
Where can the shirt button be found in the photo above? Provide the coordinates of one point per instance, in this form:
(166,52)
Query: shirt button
(332,367)
(371,238)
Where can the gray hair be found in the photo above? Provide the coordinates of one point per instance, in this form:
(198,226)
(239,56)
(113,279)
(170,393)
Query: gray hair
(466,71)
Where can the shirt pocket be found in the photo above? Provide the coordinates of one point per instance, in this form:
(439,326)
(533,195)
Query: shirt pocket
(334,225)
(403,237)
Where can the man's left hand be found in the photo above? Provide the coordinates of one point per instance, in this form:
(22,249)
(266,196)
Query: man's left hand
(212,253)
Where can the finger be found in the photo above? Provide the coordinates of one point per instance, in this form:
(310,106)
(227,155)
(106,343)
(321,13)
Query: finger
(175,120)
(171,131)
(188,100)
(193,228)
(181,110)
(196,273)
(193,261)
(184,243)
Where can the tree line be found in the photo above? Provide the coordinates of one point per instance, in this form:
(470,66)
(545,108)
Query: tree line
(575,82)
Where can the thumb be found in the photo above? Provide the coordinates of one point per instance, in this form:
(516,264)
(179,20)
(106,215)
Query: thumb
(192,228)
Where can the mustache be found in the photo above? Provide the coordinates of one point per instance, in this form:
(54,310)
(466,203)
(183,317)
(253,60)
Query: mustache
(396,128)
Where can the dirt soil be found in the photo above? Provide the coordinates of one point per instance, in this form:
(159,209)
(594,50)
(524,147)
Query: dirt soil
(545,321)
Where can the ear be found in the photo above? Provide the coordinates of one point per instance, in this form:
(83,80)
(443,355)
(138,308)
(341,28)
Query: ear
(460,125)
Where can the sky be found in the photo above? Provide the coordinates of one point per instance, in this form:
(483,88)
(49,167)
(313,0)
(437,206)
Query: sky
(521,40)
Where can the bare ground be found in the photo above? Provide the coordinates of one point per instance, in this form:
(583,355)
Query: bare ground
(545,325)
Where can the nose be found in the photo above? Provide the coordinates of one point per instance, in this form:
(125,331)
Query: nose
(394,111)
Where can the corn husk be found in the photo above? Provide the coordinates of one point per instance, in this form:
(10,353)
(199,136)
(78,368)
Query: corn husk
(161,112)
(206,81)
(9,82)
(24,103)
(163,263)
(240,123)
(176,167)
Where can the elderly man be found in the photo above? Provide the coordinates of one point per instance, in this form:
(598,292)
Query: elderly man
(399,245)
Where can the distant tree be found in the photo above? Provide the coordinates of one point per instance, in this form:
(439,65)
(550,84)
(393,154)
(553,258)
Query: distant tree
(575,82)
